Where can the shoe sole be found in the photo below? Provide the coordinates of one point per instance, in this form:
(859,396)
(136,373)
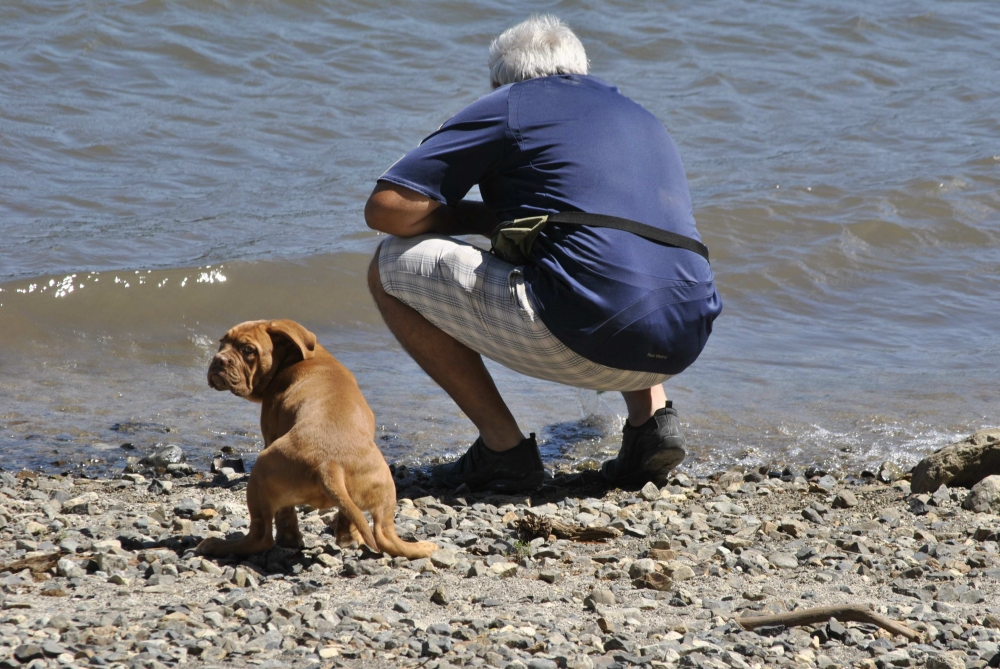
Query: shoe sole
(655,468)
(659,465)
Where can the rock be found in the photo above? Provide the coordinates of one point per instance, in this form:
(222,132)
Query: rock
(34,528)
(550,576)
(440,596)
(542,663)
(731,480)
(783,560)
(477,569)
(166,454)
(504,569)
(678,571)
(209,568)
(654,581)
(27,652)
(69,569)
(444,559)
(753,562)
(183,526)
(214,654)
(53,649)
(836,630)
(85,504)
(845,500)
(825,662)
(920,505)
(827,483)
(640,568)
(186,508)
(109,562)
(650,492)
(812,515)
(984,496)
(890,472)
(964,463)
(951,660)
(119,579)
(792,527)
(599,597)
(896,658)
(235,464)
(160,487)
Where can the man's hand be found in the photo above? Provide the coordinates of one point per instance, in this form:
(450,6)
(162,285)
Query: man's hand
(402,212)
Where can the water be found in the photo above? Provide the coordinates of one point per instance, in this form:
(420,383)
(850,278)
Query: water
(843,160)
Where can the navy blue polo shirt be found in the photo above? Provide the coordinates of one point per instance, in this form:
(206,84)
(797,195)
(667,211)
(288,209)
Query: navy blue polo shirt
(575,143)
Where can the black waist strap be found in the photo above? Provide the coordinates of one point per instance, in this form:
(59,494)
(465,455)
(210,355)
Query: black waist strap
(636,228)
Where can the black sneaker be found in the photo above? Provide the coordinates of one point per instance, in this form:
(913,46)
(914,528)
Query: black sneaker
(648,452)
(480,468)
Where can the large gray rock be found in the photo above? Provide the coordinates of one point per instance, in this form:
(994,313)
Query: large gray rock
(984,497)
(965,463)
(163,456)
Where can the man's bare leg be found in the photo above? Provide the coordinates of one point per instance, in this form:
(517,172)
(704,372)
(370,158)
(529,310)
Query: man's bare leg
(454,366)
(643,403)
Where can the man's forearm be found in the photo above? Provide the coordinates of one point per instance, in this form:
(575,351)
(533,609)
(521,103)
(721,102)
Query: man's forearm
(402,212)
(468,217)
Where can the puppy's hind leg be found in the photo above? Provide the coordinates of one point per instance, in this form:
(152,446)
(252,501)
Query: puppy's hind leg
(332,478)
(345,532)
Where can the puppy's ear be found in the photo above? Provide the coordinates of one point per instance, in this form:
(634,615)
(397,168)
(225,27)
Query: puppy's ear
(295,334)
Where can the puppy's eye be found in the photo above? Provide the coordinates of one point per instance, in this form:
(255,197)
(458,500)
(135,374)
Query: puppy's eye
(222,345)
(249,351)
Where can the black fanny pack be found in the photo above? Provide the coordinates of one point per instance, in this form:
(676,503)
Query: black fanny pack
(512,240)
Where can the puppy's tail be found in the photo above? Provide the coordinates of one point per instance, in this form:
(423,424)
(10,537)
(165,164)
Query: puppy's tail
(389,542)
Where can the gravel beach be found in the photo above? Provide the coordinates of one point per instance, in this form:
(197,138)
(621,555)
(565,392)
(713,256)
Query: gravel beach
(103,573)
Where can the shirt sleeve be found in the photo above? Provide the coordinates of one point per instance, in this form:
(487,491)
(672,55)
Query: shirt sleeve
(463,152)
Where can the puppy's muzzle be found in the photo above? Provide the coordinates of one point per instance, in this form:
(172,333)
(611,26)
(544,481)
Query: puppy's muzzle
(218,373)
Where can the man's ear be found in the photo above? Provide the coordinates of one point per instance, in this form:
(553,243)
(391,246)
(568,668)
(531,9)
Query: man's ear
(296,336)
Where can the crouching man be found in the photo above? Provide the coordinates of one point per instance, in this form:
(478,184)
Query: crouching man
(613,292)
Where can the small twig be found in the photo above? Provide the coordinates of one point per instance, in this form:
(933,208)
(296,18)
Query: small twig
(845,613)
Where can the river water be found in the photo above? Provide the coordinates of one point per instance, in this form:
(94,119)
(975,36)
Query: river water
(170,168)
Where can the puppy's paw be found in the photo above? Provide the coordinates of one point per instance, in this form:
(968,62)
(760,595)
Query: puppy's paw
(290,541)
(213,547)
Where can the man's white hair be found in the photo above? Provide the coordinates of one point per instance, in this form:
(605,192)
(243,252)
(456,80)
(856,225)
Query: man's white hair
(539,47)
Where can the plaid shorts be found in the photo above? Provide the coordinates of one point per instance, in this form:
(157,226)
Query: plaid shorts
(481,301)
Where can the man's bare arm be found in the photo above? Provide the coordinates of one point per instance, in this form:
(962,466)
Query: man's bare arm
(402,212)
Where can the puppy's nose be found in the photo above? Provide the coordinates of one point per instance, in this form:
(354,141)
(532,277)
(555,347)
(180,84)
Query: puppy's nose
(218,363)
(215,370)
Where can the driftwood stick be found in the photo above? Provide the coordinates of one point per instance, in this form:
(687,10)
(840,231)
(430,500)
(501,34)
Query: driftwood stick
(849,612)
(38,564)
(536,526)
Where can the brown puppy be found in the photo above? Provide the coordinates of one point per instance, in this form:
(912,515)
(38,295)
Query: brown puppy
(319,444)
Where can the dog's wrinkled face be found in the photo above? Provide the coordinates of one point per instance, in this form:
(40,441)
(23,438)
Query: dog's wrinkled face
(244,356)
(252,352)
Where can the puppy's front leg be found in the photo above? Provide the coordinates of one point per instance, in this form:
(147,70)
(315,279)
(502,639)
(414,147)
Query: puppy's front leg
(258,538)
(287,533)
